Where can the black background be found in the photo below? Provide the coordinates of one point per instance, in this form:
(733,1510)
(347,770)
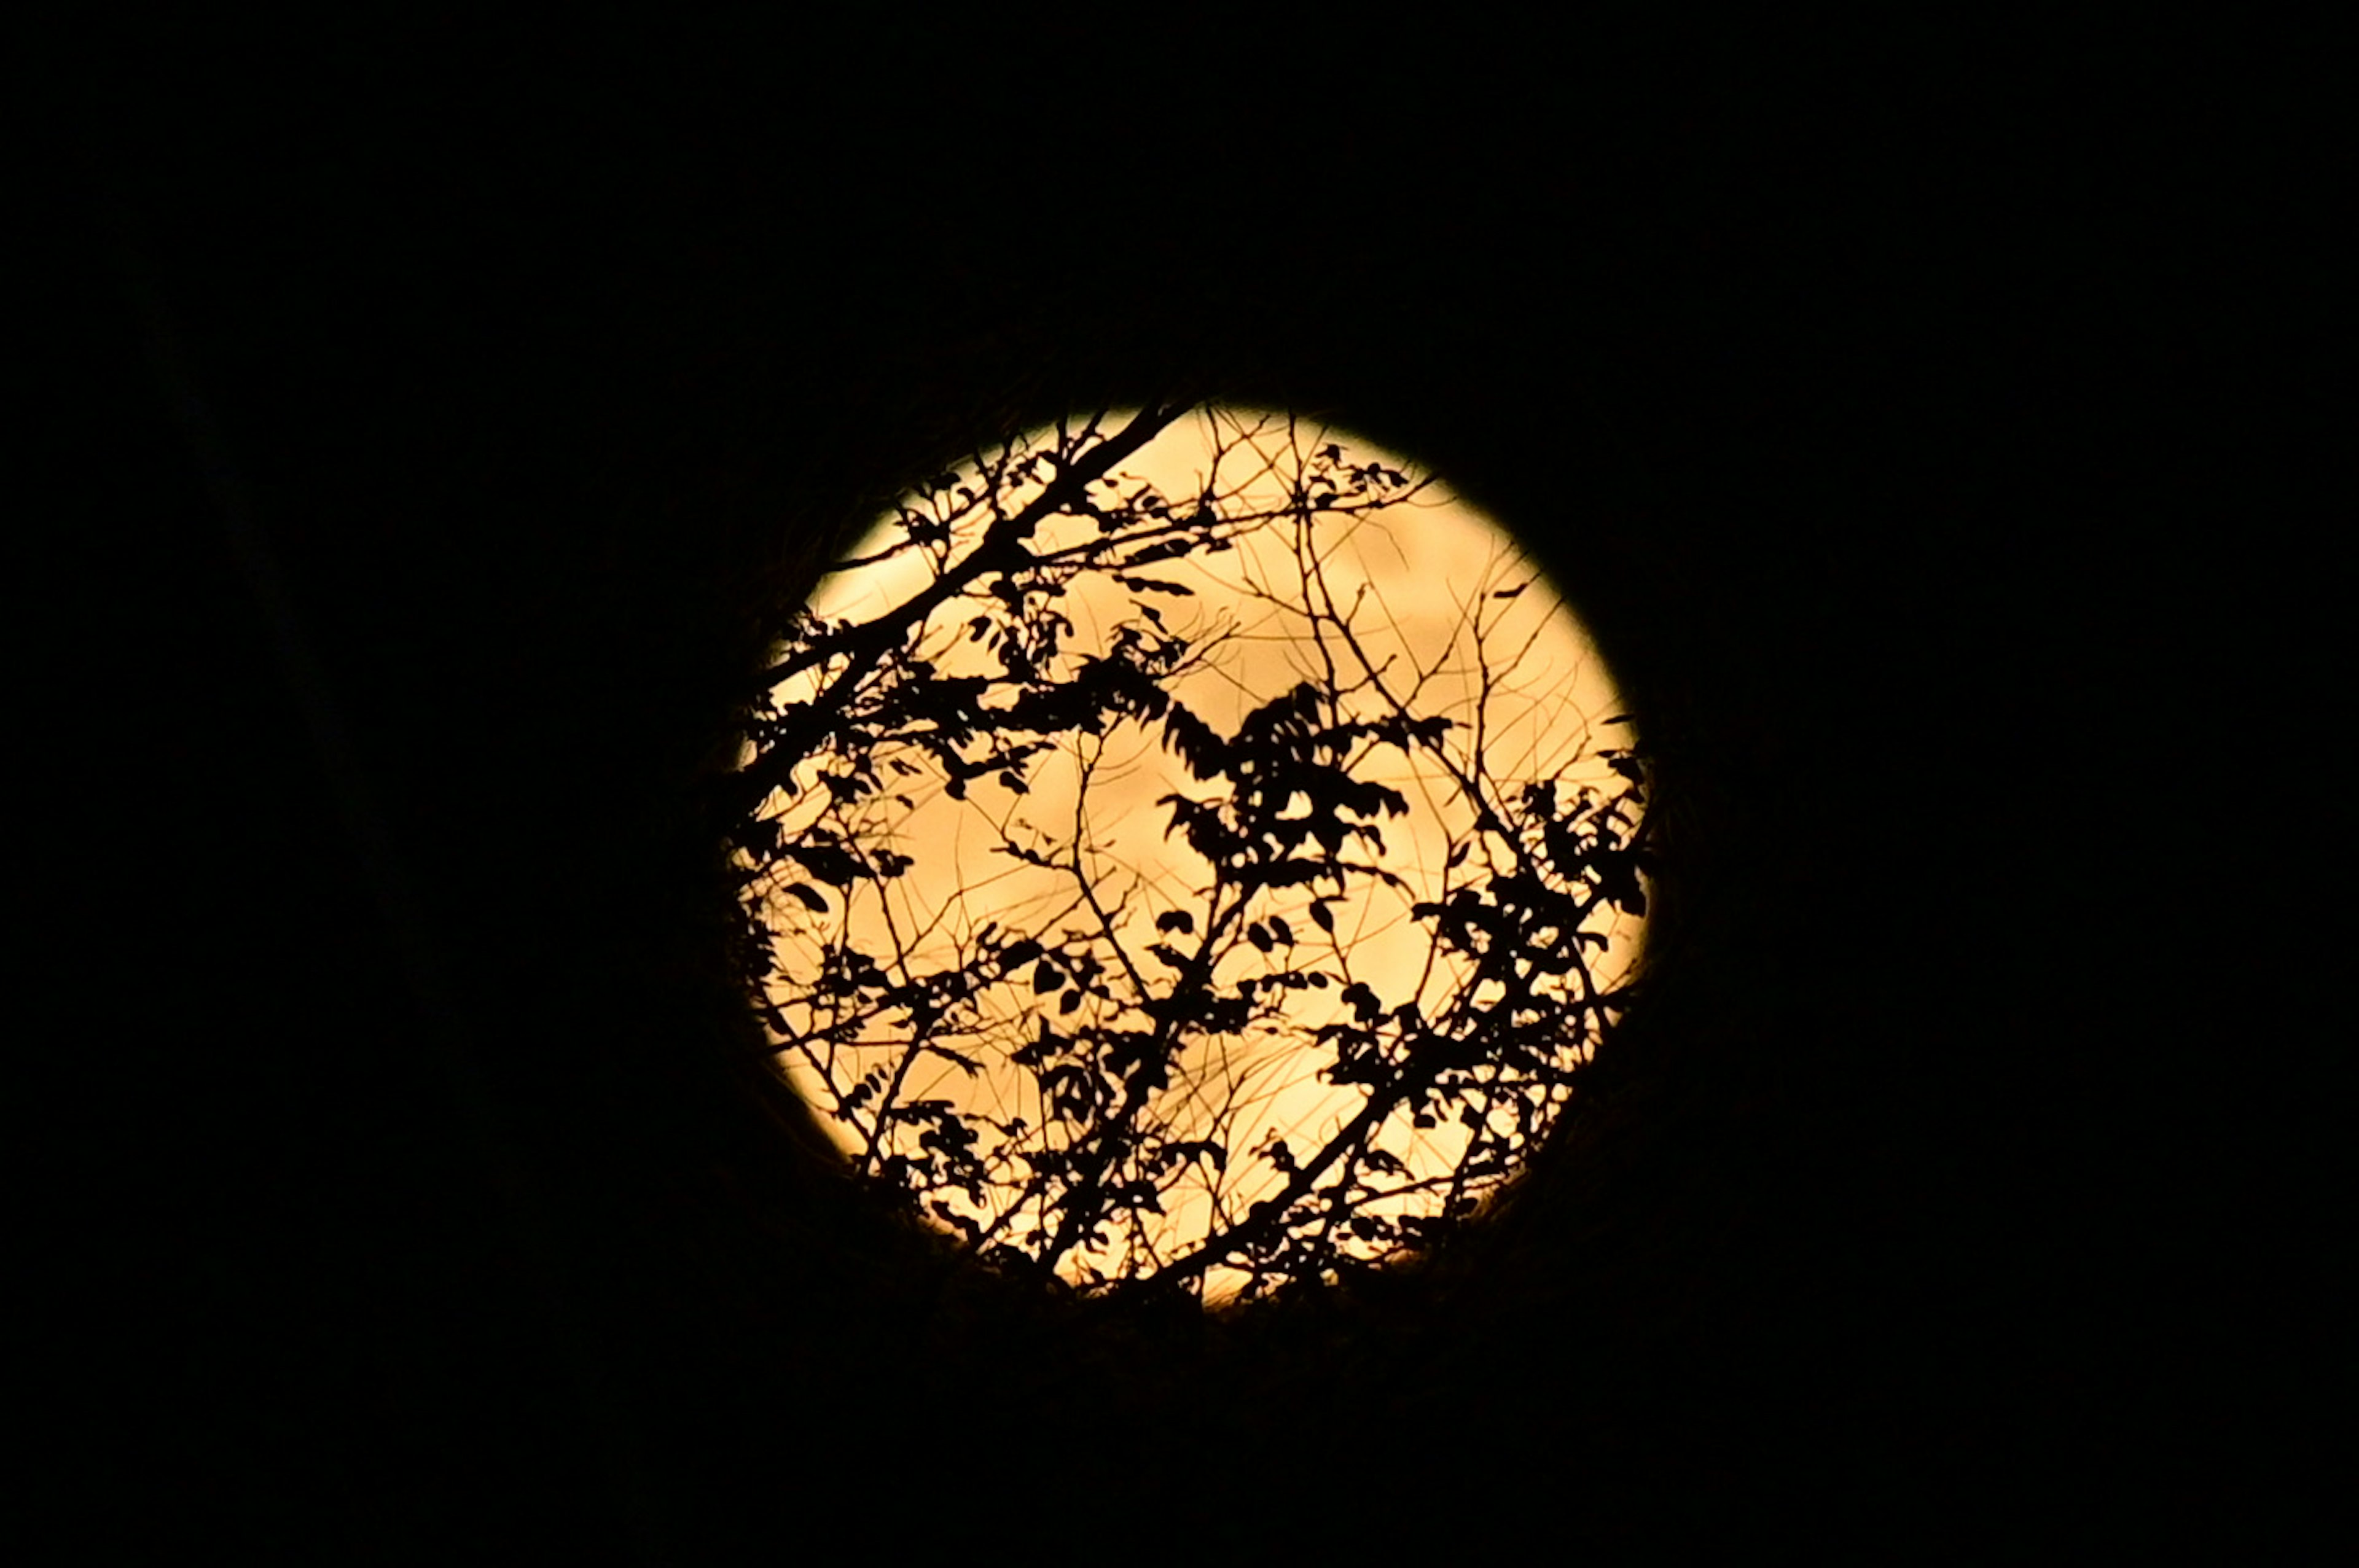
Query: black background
(457,395)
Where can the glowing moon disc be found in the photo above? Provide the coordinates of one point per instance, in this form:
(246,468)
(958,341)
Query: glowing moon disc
(1422,607)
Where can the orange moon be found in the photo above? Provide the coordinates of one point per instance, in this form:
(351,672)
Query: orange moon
(1443,605)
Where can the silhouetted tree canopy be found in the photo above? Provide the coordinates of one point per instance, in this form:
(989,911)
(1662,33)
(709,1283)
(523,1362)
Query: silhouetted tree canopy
(1116,1026)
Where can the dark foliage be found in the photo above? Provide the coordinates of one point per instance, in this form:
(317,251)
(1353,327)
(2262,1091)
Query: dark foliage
(1120,1026)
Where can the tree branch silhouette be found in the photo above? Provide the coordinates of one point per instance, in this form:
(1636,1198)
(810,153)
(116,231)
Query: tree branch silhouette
(1114,1030)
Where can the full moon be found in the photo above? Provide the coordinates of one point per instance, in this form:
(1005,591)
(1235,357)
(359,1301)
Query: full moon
(1443,611)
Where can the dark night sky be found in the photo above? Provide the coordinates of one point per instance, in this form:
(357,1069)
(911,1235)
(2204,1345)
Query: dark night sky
(507,368)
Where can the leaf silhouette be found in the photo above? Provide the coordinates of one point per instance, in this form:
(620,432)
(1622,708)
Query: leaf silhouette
(827,863)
